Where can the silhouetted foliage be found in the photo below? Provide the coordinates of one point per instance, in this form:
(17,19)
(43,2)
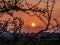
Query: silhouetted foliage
(17,5)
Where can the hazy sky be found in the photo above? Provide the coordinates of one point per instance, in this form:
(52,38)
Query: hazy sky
(29,20)
(56,14)
(57,10)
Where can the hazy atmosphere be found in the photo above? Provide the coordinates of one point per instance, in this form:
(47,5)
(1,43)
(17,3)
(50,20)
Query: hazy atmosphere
(28,20)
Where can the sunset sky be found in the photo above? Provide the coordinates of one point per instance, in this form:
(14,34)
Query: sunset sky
(39,25)
(28,20)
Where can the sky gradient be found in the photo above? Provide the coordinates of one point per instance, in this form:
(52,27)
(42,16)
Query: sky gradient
(28,20)
(56,14)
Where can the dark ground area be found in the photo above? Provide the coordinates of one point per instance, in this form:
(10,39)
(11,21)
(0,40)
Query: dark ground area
(21,39)
(41,42)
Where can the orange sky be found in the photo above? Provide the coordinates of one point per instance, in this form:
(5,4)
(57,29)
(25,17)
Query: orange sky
(28,19)
(56,13)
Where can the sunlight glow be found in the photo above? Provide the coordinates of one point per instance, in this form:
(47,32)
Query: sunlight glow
(33,24)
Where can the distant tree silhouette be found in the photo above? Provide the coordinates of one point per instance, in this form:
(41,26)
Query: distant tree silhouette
(17,24)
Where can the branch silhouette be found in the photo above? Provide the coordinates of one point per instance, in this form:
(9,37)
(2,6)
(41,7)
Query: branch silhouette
(17,5)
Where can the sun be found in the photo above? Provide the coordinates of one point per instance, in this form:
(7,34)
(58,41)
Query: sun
(33,24)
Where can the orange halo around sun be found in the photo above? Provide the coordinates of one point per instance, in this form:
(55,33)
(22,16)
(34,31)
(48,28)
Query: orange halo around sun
(33,24)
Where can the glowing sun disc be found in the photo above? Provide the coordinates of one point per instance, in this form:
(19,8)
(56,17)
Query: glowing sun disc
(33,24)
